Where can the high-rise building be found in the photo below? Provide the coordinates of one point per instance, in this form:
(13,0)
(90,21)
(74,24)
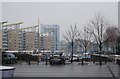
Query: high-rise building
(53,33)
(22,40)
(46,42)
(1,24)
(0,35)
(28,39)
(10,36)
(30,45)
(13,39)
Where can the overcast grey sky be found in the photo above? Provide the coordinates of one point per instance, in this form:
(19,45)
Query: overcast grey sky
(61,13)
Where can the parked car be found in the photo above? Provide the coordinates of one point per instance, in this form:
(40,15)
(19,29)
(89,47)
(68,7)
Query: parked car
(57,59)
(43,57)
(75,57)
(8,58)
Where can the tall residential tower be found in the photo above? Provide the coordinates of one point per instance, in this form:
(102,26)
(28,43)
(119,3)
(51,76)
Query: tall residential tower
(51,33)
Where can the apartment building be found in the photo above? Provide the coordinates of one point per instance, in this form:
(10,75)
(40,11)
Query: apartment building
(28,39)
(13,39)
(53,32)
(10,36)
(46,42)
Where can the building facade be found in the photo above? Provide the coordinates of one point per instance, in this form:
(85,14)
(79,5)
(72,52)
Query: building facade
(0,35)
(13,39)
(22,41)
(53,33)
(46,42)
(10,36)
(28,39)
(30,45)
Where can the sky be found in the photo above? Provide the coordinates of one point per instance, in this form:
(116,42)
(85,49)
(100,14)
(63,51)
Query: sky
(63,14)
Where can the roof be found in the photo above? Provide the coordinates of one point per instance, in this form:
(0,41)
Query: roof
(29,27)
(3,22)
(13,24)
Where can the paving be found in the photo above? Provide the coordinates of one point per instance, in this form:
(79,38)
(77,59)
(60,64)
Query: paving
(68,70)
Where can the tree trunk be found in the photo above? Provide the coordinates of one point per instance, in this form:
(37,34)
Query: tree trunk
(100,47)
(72,53)
(85,53)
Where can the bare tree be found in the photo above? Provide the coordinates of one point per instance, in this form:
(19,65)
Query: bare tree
(70,37)
(118,43)
(97,28)
(84,40)
(110,37)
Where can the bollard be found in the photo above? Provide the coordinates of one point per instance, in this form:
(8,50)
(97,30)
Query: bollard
(100,63)
(29,63)
(94,61)
(82,62)
(105,61)
(46,59)
(38,62)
